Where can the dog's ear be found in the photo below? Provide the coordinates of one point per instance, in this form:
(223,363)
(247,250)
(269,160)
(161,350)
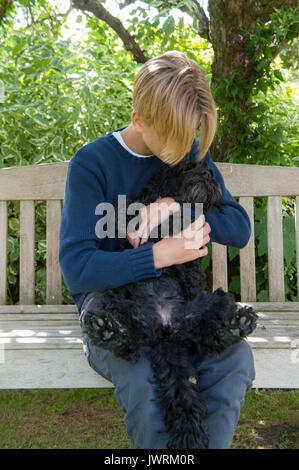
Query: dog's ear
(213,195)
(208,187)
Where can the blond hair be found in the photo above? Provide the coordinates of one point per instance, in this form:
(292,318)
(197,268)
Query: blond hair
(172,95)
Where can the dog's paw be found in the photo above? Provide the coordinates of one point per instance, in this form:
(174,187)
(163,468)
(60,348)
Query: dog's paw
(98,326)
(243,322)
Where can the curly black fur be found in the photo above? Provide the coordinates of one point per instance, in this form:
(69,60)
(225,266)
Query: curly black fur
(172,314)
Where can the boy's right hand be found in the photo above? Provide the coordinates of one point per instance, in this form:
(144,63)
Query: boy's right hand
(186,246)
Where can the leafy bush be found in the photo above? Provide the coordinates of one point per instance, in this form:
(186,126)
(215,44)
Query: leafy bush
(56,96)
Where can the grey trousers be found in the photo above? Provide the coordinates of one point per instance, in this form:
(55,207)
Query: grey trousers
(224,381)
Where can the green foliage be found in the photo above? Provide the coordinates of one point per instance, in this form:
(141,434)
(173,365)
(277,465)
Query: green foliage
(56,96)
(161,32)
(257,106)
(289,249)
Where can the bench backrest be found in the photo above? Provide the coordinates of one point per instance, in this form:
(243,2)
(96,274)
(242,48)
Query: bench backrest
(47,181)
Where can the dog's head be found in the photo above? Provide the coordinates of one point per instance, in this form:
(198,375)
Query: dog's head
(193,182)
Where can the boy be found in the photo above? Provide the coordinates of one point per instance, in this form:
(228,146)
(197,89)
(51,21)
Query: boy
(171,101)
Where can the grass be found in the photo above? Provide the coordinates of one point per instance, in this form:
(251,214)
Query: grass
(92,419)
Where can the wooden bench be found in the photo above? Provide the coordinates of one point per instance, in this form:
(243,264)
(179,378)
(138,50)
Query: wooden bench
(41,345)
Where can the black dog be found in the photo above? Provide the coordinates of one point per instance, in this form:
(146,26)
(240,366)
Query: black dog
(172,314)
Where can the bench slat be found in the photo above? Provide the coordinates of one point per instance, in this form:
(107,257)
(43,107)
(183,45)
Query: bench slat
(33,182)
(3,252)
(51,342)
(219,266)
(68,368)
(27,240)
(40,331)
(273,306)
(243,179)
(247,256)
(277,317)
(270,342)
(74,317)
(36,309)
(30,324)
(53,288)
(260,340)
(51,368)
(46,180)
(40,317)
(71,308)
(275,250)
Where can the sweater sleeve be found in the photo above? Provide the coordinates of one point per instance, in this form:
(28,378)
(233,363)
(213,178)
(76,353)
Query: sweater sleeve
(84,264)
(231,227)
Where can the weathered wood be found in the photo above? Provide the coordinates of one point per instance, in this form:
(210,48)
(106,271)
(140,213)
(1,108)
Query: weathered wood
(33,182)
(3,252)
(279,317)
(27,239)
(41,331)
(71,308)
(69,368)
(219,266)
(53,288)
(52,342)
(46,180)
(276,368)
(261,340)
(55,368)
(36,309)
(38,317)
(39,324)
(275,250)
(259,180)
(247,256)
(48,353)
(273,306)
(273,331)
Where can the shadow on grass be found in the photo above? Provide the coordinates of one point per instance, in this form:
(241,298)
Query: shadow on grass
(92,419)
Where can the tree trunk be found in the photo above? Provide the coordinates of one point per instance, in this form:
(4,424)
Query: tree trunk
(4,6)
(227,19)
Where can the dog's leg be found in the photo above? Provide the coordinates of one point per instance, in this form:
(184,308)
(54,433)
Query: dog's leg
(107,323)
(215,321)
(183,409)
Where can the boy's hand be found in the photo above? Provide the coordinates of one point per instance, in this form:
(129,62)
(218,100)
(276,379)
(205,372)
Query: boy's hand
(189,246)
(152,215)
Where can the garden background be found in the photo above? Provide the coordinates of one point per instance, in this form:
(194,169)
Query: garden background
(66,77)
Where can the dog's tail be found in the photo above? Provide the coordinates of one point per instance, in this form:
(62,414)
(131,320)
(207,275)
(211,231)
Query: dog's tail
(179,397)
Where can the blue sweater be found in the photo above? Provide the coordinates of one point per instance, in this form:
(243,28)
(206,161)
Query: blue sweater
(99,172)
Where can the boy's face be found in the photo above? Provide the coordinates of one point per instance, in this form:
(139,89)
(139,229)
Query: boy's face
(153,144)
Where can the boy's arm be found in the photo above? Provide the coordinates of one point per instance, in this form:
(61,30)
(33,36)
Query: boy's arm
(84,265)
(232,227)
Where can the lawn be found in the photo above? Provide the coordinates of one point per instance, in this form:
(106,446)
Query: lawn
(92,419)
